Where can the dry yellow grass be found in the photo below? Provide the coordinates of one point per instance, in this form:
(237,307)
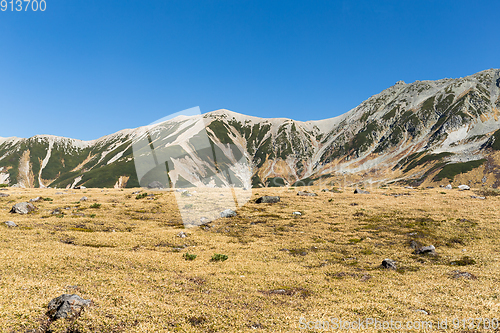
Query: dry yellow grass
(325,263)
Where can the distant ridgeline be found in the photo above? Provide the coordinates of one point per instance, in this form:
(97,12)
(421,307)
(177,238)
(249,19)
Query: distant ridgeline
(426,132)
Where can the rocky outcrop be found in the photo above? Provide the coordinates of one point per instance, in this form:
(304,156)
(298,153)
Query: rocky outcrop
(228,213)
(22,208)
(389,264)
(66,306)
(268,199)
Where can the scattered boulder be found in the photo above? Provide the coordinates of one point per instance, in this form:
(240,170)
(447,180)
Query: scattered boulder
(84,199)
(448,187)
(306,194)
(465,275)
(228,213)
(23,208)
(268,199)
(10,224)
(358,191)
(297,213)
(66,306)
(60,193)
(80,187)
(182,234)
(4,195)
(389,264)
(477,197)
(156,184)
(36,199)
(56,211)
(463,187)
(426,250)
(136,192)
(422,311)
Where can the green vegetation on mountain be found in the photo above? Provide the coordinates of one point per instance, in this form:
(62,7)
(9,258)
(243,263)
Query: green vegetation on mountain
(275,182)
(426,159)
(389,115)
(451,170)
(221,131)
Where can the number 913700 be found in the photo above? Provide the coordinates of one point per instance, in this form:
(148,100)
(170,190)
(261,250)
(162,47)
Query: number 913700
(23,5)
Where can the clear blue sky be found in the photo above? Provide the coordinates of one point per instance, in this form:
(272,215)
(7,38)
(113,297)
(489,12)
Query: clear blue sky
(84,69)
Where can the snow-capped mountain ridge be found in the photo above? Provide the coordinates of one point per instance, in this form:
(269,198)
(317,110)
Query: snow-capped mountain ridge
(456,116)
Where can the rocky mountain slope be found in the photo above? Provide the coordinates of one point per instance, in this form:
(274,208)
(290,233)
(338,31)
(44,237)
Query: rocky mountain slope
(419,133)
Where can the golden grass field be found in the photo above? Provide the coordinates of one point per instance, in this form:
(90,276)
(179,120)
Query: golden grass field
(324,264)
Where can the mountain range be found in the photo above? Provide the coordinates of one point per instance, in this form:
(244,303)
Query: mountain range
(420,133)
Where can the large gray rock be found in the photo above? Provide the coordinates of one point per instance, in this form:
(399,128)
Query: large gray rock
(228,213)
(4,195)
(84,199)
(448,187)
(463,187)
(156,184)
(358,191)
(10,224)
(389,264)
(36,199)
(426,250)
(66,306)
(306,194)
(268,199)
(23,208)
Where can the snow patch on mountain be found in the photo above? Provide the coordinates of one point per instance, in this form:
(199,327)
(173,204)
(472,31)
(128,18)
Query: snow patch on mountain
(76,181)
(117,156)
(4,178)
(44,163)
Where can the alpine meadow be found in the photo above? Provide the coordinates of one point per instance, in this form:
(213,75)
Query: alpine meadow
(385,215)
